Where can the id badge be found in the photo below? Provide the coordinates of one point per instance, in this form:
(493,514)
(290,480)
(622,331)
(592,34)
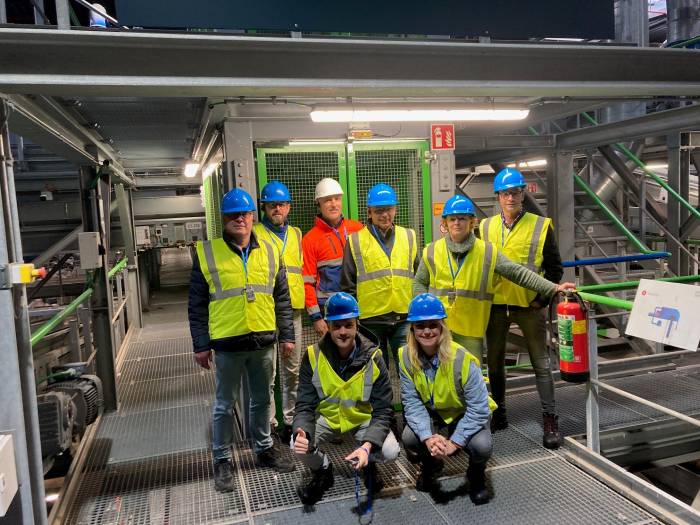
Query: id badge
(249,293)
(451,296)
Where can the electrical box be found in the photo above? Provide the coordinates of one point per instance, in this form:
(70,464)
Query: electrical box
(8,473)
(143,235)
(89,244)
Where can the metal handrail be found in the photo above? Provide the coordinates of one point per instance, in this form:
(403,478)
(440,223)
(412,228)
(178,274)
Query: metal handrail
(49,325)
(607,301)
(628,285)
(617,258)
(624,149)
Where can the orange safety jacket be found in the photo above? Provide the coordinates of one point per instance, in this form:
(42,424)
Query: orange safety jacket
(323,248)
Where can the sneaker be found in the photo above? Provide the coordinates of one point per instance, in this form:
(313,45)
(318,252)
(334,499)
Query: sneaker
(499,421)
(223,475)
(476,475)
(372,479)
(552,437)
(312,492)
(274,459)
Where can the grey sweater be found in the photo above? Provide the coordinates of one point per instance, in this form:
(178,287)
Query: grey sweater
(504,267)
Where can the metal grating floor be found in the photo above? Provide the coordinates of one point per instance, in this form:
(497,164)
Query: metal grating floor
(150,463)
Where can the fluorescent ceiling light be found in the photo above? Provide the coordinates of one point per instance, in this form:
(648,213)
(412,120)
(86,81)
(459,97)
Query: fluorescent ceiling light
(530,164)
(50,498)
(431,113)
(657,166)
(191,169)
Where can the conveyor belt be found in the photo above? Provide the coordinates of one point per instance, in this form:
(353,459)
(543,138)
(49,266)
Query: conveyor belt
(150,463)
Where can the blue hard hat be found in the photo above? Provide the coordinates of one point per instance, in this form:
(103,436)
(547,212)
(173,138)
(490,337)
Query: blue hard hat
(236,201)
(275,191)
(425,307)
(458,205)
(508,178)
(342,305)
(381,195)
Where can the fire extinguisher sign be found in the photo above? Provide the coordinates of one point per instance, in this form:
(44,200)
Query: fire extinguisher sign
(442,136)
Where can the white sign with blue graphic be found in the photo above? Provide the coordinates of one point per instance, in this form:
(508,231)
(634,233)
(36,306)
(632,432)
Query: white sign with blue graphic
(666,313)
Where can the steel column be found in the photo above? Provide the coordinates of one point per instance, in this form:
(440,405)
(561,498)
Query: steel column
(592,407)
(3,12)
(126,221)
(94,189)
(632,22)
(683,19)
(62,14)
(239,160)
(673,207)
(560,205)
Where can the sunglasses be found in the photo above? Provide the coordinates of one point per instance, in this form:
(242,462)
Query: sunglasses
(238,215)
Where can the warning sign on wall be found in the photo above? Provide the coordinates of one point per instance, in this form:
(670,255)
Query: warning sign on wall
(442,136)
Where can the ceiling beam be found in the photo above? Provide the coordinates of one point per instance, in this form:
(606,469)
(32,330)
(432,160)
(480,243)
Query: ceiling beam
(134,63)
(466,160)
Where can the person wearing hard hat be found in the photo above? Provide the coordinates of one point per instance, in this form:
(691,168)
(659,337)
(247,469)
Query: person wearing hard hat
(460,269)
(286,239)
(344,387)
(323,247)
(445,400)
(527,239)
(379,264)
(238,303)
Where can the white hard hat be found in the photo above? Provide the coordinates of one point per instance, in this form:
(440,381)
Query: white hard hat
(326,187)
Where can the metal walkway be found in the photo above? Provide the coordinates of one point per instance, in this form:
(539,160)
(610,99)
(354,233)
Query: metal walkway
(150,463)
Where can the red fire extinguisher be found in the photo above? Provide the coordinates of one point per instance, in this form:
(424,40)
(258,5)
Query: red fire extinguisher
(572,327)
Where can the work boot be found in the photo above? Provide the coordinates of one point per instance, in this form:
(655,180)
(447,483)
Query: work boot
(552,437)
(274,459)
(430,469)
(223,475)
(499,421)
(476,475)
(373,483)
(312,492)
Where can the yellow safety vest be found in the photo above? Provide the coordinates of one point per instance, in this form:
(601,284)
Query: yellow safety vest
(344,405)
(384,285)
(472,288)
(523,245)
(292,258)
(445,394)
(230,312)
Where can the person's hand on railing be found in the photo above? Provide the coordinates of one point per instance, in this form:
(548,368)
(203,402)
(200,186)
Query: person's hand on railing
(565,286)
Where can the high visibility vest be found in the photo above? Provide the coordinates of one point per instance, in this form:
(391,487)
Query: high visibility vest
(230,312)
(291,258)
(523,245)
(472,288)
(383,284)
(344,405)
(445,394)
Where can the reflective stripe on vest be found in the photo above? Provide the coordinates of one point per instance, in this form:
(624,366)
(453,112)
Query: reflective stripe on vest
(473,287)
(291,258)
(523,245)
(230,312)
(383,284)
(343,404)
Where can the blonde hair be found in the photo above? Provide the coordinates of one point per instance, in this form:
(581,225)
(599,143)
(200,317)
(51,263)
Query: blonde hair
(444,348)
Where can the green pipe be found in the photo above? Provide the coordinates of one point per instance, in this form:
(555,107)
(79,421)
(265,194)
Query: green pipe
(624,149)
(657,238)
(628,285)
(51,323)
(117,268)
(684,43)
(607,301)
(614,218)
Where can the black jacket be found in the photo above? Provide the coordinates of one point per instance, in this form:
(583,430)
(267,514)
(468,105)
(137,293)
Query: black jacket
(380,398)
(348,276)
(198,312)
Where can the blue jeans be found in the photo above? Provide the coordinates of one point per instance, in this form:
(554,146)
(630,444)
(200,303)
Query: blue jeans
(259,367)
(390,336)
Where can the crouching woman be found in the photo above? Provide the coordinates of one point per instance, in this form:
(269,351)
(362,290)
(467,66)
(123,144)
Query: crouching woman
(445,400)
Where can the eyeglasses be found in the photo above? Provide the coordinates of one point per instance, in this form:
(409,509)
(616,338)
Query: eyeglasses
(511,193)
(238,215)
(277,204)
(420,326)
(381,210)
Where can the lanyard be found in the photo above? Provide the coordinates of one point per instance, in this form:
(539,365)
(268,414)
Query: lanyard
(337,234)
(459,267)
(431,384)
(244,257)
(504,227)
(274,238)
(378,236)
(368,508)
